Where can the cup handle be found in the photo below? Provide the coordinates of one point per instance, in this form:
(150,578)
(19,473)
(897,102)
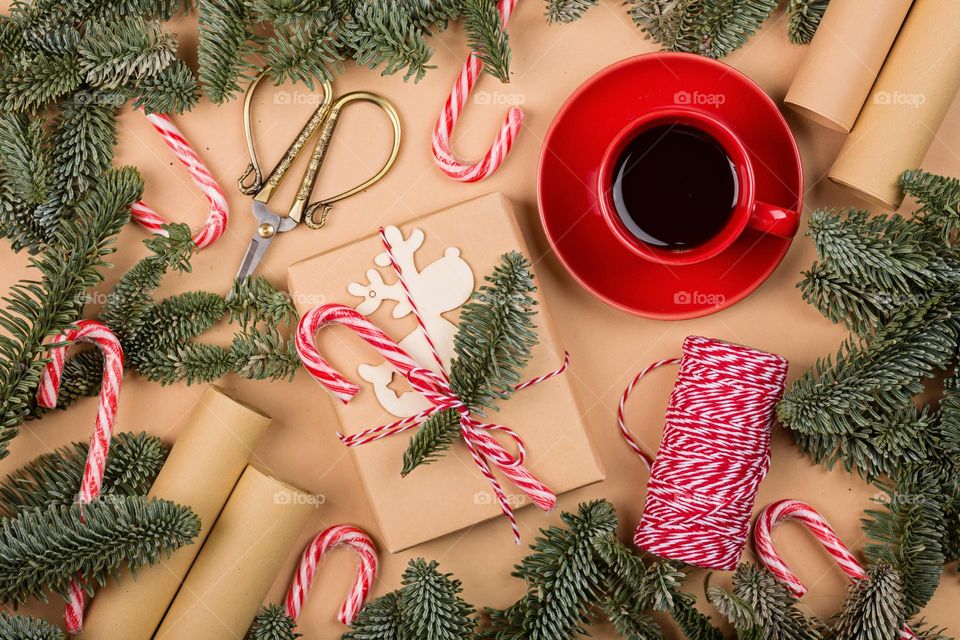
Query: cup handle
(777,221)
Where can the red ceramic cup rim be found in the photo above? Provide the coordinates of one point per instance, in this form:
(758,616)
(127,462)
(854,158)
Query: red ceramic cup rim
(735,150)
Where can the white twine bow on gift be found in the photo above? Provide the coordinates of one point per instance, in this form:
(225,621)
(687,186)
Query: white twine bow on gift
(435,387)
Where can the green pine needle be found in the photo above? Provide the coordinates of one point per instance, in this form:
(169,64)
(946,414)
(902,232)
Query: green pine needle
(774,609)
(567,10)
(115,53)
(873,608)
(223,47)
(430,604)
(44,550)
(173,89)
(273,623)
(804,18)
(14,627)
(386,34)
(378,620)
(36,309)
(492,346)
(487,38)
(54,478)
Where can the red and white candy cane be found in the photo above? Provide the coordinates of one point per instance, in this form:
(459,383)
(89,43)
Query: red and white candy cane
(92,481)
(442,151)
(219,210)
(824,533)
(326,540)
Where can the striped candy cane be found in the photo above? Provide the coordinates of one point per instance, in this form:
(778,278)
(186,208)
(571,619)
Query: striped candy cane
(822,531)
(442,150)
(326,540)
(98,334)
(216,222)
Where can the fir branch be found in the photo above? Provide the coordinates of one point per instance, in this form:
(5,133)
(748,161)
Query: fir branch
(264,354)
(562,575)
(172,89)
(306,53)
(873,608)
(192,363)
(223,46)
(670,23)
(492,346)
(908,536)
(939,199)
(567,10)
(273,623)
(25,157)
(726,25)
(28,82)
(43,550)
(804,18)
(888,253)
(54,478)
(881,376)
(36,310)
(776,616)
(14,627)
(17,222)
(487,38)
(384,33)
(378,620)
(430,605)
(115,53)
(859,307)
(256,299)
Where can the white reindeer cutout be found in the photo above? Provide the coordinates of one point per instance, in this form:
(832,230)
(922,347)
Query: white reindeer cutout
(443,285)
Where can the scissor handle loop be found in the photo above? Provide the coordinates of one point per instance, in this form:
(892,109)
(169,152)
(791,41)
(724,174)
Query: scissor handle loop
(252,187)
(307,212)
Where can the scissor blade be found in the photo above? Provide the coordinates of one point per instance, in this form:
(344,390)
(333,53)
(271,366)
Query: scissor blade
(258,246)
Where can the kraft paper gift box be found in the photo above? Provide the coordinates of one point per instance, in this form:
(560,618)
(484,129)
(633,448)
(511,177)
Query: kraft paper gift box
(460,245)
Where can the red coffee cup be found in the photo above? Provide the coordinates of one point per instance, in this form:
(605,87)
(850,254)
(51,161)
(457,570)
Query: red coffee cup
(747,212)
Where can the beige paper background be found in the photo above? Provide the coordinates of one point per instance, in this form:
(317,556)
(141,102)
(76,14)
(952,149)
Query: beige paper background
(607,346)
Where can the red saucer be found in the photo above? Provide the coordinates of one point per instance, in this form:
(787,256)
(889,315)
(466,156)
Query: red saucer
(568,176)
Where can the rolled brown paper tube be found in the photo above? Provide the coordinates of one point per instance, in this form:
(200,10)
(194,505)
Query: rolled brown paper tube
(207,459)
(843,60)
(907,105)
(254,534)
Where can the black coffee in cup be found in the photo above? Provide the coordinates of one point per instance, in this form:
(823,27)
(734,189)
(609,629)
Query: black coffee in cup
(674,186)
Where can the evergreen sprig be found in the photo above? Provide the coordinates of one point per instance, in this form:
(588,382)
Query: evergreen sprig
(14,627)
(158,336)
(892,280)
(427,606)
(492,346)
(712,28)
(308,41)
(273,623)
(43,550)
(54,478)
(38,309)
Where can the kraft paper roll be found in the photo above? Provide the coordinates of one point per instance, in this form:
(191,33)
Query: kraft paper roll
(207,459)
(254,534)
(843,60)
(906,106)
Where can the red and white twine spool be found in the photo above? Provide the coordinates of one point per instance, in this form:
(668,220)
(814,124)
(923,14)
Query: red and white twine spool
(442,150)
(714,452)
(326,540)
(216,222)
(98,334)
(435,387)
(822,531)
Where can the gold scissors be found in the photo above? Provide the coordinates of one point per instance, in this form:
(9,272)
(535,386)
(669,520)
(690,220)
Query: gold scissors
(324,119)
